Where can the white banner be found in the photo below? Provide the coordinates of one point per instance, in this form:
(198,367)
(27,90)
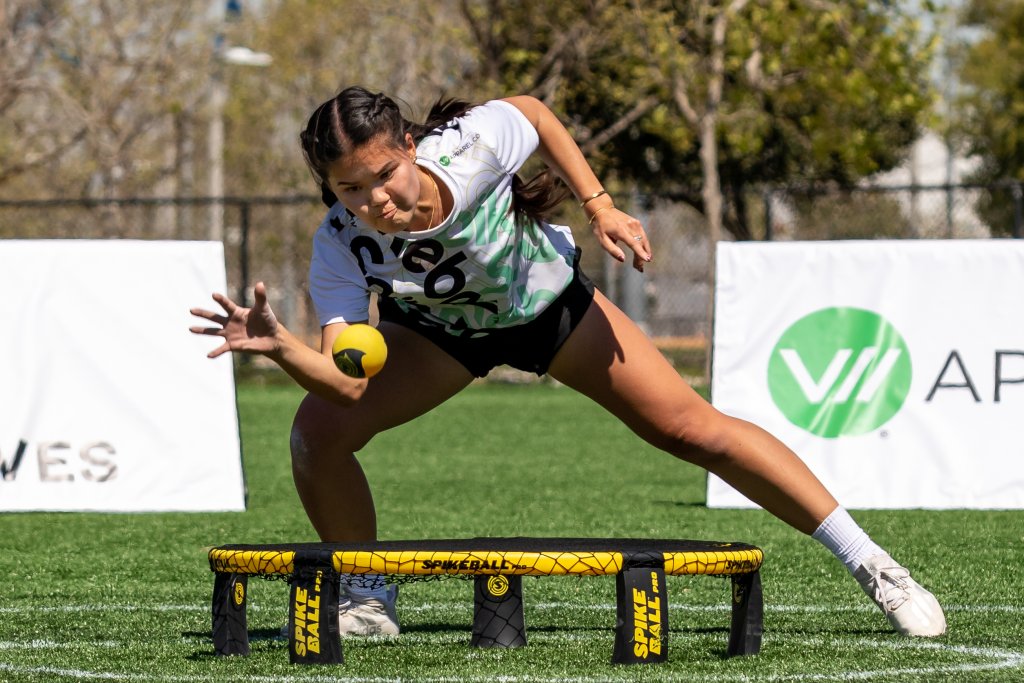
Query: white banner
(107,401)
(894,369)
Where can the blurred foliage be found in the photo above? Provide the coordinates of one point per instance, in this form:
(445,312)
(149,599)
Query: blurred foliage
(828,216)
(989,119)
(111,98)
(92,95)
(408,50)
(823,91)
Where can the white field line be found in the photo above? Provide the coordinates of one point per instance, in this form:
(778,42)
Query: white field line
(442,607)
(53,672)
(998,660)
(54,645)
(990,659)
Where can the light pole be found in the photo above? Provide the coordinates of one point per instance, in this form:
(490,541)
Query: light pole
(223,56)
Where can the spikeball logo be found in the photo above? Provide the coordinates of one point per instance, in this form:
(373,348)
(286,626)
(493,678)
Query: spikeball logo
(497,585)
(840,372)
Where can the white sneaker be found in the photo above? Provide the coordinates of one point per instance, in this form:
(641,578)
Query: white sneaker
(910,609)
(363,616)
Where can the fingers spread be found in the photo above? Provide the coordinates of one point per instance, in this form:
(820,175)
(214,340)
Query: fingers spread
(209,315)
(227,304)
(223,348)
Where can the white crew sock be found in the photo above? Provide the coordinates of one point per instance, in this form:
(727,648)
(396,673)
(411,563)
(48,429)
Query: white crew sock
(364,586)
(848,542)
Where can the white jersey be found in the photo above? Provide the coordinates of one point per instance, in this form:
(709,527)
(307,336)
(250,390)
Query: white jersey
(477,270)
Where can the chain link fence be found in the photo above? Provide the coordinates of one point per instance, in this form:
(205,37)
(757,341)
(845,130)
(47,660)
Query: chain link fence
(894,212)
(270,239)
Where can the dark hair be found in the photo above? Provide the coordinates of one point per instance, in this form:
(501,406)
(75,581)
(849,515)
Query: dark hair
(356,116)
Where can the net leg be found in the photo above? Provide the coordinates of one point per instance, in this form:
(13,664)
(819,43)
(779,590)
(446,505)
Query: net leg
(230,627)
(747,615)
(641,624)
(498,612)
(313,636)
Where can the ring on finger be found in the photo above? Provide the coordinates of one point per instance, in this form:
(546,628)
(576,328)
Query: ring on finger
(638,238)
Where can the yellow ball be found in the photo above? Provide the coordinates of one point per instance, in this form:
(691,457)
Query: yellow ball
(359,351)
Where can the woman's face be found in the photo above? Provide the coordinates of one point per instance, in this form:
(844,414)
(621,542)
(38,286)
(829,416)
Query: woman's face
(378,182)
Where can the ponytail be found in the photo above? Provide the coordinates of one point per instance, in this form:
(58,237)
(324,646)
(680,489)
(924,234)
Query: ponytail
(536,199)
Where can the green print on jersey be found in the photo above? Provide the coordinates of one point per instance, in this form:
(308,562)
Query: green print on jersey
(532,246)
(485,224)
(506,249)
(529,302)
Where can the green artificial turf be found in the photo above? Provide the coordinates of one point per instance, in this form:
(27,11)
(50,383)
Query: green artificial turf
(126,597)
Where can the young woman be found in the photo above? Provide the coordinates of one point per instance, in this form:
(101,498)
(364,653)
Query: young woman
(434,219)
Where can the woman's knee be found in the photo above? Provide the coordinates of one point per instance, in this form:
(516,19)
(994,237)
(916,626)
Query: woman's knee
(323,430)
(699,440)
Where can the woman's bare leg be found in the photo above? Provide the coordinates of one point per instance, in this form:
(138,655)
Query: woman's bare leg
(325,437)
(611,360)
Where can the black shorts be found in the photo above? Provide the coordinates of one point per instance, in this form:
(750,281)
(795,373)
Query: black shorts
(530,346)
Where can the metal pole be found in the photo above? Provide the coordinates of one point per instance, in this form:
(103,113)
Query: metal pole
(632,291)
(218,99)
(243,255)
(243,267)
(224,55)
(1018,210)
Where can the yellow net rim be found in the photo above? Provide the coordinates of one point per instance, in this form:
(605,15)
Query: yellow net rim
(486,562)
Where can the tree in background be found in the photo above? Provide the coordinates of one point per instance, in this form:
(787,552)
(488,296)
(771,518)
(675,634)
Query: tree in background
(24,44)
(680,97)
(111,99)
(408,50)
(989,118)
(94,94)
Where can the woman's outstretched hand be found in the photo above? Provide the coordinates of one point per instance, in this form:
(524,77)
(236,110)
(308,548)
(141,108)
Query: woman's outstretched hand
(612,226)
(249,330)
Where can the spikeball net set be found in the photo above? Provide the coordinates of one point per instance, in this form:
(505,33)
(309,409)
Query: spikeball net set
(497,566)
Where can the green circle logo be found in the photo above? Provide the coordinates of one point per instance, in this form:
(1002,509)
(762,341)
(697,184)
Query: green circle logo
(840,372)
(445,160)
